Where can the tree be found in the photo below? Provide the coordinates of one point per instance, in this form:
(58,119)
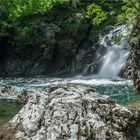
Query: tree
(73,3)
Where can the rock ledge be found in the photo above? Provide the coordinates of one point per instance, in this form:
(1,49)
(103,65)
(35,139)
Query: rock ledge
(72,112)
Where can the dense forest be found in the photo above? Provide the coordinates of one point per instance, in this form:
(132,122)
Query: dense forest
(55,55)
(52,32)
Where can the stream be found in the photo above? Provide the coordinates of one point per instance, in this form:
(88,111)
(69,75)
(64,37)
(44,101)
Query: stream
(106,82)
(120,90)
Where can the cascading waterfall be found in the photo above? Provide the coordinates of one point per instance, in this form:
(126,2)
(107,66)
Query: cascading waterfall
(111,52)
(116,54)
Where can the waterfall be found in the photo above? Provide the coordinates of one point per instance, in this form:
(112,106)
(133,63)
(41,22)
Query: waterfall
(116,54)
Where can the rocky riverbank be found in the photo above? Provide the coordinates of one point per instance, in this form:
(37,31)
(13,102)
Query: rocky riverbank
(132,67)
(72,112)
(9,93)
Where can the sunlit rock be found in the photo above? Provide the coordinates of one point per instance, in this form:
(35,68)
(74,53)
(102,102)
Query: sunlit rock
(71,112)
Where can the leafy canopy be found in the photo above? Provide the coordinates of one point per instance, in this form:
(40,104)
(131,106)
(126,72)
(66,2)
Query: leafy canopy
(96,13)
(13,9)
(131,11)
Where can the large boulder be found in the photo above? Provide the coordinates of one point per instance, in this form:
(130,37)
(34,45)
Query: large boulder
(71,112)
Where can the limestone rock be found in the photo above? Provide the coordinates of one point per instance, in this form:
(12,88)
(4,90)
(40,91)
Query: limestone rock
(71,112)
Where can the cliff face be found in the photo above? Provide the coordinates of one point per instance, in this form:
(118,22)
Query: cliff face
(132,68)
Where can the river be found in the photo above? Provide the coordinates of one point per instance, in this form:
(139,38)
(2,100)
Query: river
(119,89)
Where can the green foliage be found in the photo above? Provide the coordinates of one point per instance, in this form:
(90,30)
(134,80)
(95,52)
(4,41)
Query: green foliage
(8,30)
(118,38)
(131,11)
(13,9)
(100,11)
(132,16)
(96,13)
(52,23)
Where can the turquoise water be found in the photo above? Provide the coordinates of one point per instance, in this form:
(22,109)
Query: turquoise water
(8,109)
(120,90)
(123,94)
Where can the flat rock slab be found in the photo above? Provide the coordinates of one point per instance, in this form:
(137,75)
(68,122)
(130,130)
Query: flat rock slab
(72,112)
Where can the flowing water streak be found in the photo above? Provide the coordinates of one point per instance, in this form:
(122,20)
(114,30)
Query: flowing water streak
(116,54)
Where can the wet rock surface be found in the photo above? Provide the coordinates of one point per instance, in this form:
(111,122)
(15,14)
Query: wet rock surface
(132,70)
(9,93)
(72,112)
(23,97)
(132,67)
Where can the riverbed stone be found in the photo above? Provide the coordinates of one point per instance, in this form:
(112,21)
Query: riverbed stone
(23,97)
(8,92)
(71,112)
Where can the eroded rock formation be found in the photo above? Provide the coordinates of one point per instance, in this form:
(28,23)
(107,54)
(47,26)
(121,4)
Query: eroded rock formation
(71,112)
(132,68)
